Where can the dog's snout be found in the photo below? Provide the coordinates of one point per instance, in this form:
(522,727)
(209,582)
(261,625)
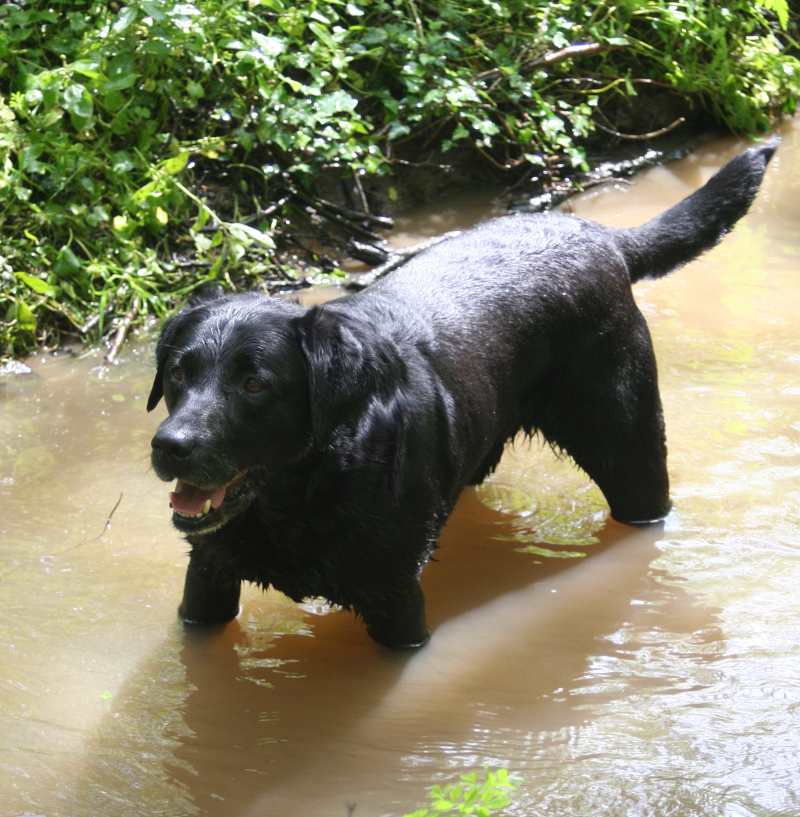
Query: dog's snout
(175,442)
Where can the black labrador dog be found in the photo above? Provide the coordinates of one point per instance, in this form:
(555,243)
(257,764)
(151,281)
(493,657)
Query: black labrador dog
(321,450)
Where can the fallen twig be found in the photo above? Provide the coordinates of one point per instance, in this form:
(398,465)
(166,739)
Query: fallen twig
(550,58)
(100,535)
(190,263)
(444,168)
(122,331)
(368,253)
(362,196)
(267,212)
(341,217)
(71,548)
(397,259)
(602,173)
(92,322)
(570,51)
(378,221)
(641,137)
(602,85)
(108,519)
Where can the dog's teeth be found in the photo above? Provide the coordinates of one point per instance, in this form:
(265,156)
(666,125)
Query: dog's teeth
(206,507)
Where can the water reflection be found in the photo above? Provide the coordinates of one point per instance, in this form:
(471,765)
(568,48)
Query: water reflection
(617,671)
(281,705)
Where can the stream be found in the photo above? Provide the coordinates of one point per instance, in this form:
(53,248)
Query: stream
(613,670)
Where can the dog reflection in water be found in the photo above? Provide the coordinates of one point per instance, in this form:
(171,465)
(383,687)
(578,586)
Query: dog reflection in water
(321,450)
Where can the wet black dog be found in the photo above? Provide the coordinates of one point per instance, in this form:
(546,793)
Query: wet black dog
(321,450)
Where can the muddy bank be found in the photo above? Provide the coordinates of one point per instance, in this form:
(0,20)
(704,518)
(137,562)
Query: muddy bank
(362,244)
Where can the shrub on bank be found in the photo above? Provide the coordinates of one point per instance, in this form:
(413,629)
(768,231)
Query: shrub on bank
(147,147)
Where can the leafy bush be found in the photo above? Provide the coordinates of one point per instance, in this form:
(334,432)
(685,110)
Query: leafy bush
(150,146)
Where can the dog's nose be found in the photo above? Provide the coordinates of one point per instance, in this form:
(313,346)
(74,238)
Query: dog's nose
(174,442)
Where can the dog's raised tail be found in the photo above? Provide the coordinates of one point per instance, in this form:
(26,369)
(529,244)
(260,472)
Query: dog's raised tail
(699,221)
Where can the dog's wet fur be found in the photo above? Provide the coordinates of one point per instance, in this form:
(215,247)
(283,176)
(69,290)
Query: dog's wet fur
(344,433)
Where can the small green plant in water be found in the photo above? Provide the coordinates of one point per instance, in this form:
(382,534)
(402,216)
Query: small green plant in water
(470,796)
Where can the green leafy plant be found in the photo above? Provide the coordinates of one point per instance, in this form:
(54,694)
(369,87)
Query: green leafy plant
(781,9)
(150,146)
(470,796)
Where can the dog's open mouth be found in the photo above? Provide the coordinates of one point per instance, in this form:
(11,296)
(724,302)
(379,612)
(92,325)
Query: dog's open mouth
(196,509)
(193,502)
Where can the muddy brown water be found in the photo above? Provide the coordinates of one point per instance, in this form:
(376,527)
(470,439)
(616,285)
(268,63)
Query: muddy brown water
(615,671)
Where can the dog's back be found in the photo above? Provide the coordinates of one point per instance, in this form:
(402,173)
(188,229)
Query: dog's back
(539,283)
(516,253)
(535,327)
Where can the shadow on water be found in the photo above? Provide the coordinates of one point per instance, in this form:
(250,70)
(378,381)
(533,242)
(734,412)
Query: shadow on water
(280,713)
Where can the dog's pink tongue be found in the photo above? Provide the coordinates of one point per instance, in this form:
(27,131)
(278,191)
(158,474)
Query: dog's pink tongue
(189,499)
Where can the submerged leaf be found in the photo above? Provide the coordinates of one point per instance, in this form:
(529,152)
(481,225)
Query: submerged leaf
(537,550)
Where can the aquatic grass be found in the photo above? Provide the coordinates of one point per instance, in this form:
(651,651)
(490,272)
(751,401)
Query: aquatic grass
(552,521)
(470,796)
(151,146)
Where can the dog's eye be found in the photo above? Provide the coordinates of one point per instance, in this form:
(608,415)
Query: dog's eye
(253,386)
(177,374)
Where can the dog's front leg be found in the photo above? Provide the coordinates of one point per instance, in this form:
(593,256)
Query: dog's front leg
(396,618)
(209,596)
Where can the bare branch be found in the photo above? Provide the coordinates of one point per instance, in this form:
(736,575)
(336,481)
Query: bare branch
(397,259)
(641,137)
(122,331)
(550,58)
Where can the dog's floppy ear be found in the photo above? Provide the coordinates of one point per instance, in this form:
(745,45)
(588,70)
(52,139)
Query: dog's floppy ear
(157,389)
(200,297)
(165,340)
(349,363)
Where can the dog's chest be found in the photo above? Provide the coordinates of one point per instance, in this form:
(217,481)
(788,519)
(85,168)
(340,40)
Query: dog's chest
(295,554)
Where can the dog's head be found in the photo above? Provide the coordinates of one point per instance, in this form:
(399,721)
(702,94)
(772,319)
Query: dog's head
(253,385)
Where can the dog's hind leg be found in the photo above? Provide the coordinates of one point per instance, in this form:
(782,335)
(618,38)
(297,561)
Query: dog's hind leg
(209,597)
(605,412)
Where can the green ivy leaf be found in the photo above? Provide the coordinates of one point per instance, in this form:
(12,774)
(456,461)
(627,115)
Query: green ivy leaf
(174,164)
(323,34)
(67,264)
(37,284)
(246,234)
(20,312)
(124,20)
(781,9)
(271,46)
(121,73)
(328,106)
(78,101)
(144,192)
(87,68)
